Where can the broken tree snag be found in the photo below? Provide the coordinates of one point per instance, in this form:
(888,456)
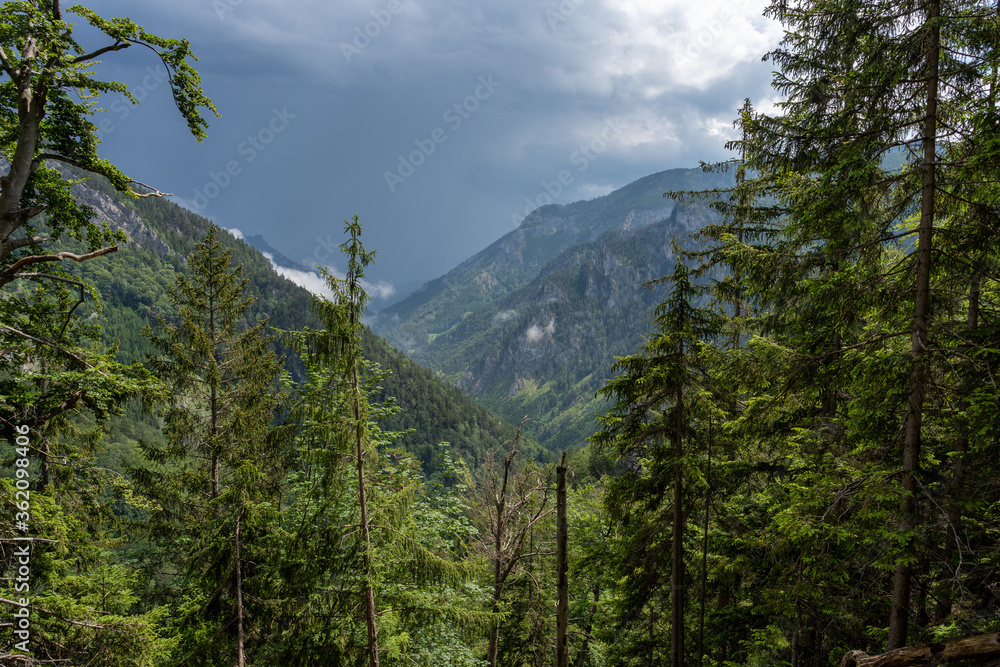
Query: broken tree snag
(938,653)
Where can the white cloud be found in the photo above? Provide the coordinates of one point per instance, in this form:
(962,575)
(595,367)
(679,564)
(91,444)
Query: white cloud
(379,290)
(641,49)
(317,285)
(536,333)
(306,279)
(503,316)
(238,234)
(674,71)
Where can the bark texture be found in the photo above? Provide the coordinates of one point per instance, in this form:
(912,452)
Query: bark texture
(965,648)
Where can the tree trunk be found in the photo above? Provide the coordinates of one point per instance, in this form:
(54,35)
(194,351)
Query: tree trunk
(366,547)
(704,551)
(491,654)
(30,111)
(677,560)
(213,401)
(240,651)
(498,535)
(952,545)
(899,616)
(562,585)
(725,601)
(980,646)
(581,659)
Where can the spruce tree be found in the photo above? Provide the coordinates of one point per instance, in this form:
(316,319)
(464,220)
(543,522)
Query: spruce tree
(650,425)
(844,251)
(216,484)
(369,573)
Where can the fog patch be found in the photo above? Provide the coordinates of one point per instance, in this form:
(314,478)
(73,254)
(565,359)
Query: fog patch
(535,333)
(503,316)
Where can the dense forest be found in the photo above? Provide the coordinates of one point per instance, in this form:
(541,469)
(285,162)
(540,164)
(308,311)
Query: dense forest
(798,466)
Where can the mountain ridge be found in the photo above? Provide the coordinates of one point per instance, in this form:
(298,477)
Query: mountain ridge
(531,325)
(133,284)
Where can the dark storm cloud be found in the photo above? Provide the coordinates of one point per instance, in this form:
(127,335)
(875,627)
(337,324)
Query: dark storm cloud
(438,122)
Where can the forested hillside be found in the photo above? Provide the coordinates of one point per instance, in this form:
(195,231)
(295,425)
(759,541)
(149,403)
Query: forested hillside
(134,282)
(531,325)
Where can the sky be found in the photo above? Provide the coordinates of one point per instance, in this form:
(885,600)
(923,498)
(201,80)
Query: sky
(441,123)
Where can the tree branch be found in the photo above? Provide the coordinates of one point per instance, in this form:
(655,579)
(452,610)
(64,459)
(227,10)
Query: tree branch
(47,343)
(9,274)
(154,193)
(117,46)
(77,283)
(52,613)
(11,245)
(7,67)
(14,219)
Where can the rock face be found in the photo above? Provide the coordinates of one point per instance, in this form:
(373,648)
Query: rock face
(110,212)
(531,325)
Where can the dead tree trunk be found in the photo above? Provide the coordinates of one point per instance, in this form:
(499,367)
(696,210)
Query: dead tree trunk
(514,503)
(562,585)
(980,646)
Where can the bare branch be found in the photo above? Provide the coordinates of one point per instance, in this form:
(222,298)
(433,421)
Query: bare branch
(47,343)
(117,46)
(11,245)
(154,193)
(9,274)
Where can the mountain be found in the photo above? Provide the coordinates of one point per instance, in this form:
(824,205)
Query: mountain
(277,258)
(382,296)
(133,284)
(531,325)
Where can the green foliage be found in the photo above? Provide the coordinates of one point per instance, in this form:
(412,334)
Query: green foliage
(216,485)
(47,97)
(366,531)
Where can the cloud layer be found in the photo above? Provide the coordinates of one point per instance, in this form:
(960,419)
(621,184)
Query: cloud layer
(321,101)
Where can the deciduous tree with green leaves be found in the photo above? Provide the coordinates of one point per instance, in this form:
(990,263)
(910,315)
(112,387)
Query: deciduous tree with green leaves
(47,96)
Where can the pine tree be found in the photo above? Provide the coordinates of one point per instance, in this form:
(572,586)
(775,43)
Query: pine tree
(655,395)
(365,531)
(844,254)
(217,483)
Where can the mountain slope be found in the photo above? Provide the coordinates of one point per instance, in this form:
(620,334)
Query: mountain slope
(518,257)
(133,284)
(531,325)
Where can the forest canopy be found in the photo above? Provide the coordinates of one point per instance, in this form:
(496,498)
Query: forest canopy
(797,467)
